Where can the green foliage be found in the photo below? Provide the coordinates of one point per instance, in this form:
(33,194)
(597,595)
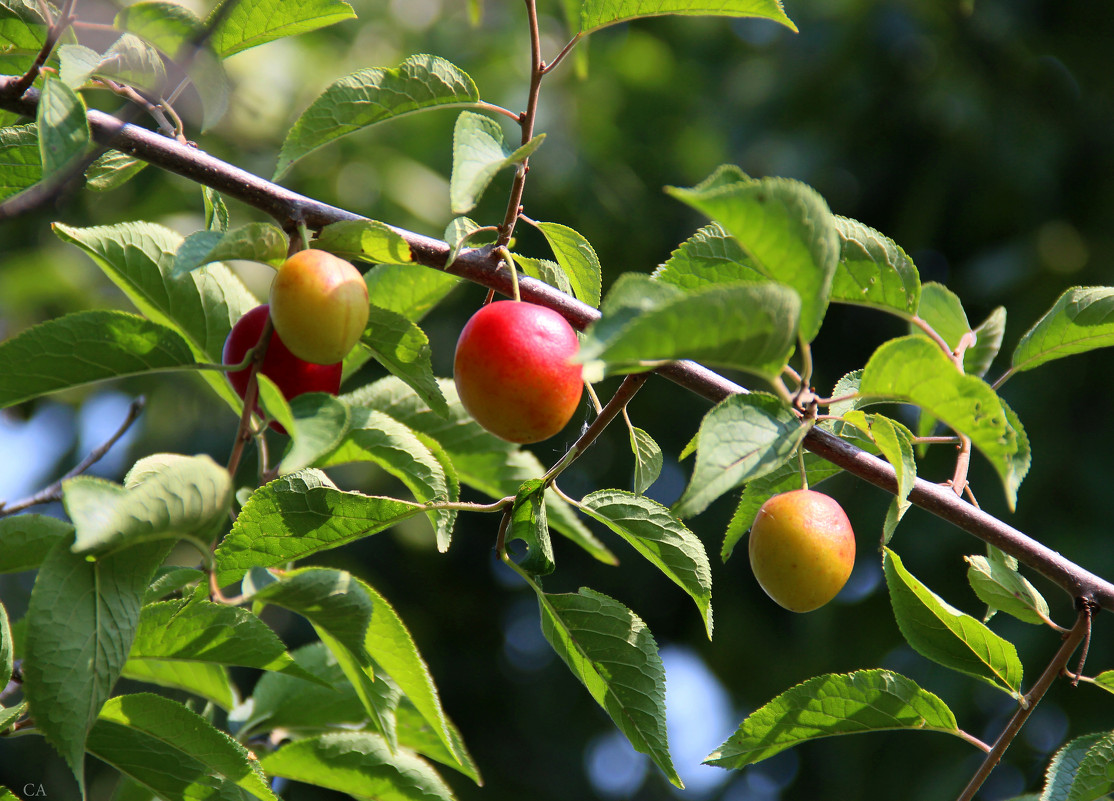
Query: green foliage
(372,96)
(357,710)
(614,655)
(479,153)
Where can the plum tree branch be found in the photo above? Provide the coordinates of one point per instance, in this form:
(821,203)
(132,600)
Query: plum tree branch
(483,266)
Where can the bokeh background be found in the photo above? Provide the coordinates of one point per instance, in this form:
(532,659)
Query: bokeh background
(979,134)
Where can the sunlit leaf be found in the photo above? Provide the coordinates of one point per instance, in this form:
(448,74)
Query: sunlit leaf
(915,370)
(1081,319)
(177,496)
(479,153)
(831,705)
(999,585)
(20,160)
(750,327)
(368,240)
(661,538)
(376,437)
(64,135)
(360,764)
(874,271)
(371,96)
(710,256)
(578,260)
(785,229)
(647,459)
(940,632)
(85,347)
(595,14)
(173,751)
(254,22)
(202,306)
(740,439)
(297,515)
(176,31)
(611,651)
(528,524)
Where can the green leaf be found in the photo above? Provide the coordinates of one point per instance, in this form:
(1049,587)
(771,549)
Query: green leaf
(179,496)
(740,439)
(257,241)
(85,347)
(483,461)
(200,631)
(749,327)
(999,585)
(409,290)
(915,370)
(611,651)
(7,649)
(174,752)
(64,135)
(895,442)
(26,539)
(989,335)
(340,608)
(940,632)
(874,271)
(830,705)
(203,679)
(661,538)
(759,490)
(201,306)
(710,256)
(8,716)
(22,28)
(577,258)
(216,213)
(112,169)
(129,61)
(80,623)
(943,311)
(254,22)
(297,515)
(647,459)
(403,348)
(479,152)
(169,580)
(596,14)
(360,764)
(20,161)
(1081,319)
(545,270)
(367,240)
(376,437)
(175,30)
(318,424)
(372,96)
(786,230)
(392,647)
(1064,767)
(280,701)
(528,524)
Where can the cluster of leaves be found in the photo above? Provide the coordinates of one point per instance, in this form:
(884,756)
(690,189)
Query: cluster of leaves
(359,708)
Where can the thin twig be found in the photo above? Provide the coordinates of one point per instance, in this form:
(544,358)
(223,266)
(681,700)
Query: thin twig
(627,390)
(1028,704)
(557,59)
(537,67)
(54,491)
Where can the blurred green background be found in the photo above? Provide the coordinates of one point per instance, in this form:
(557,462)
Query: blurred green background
(979,135)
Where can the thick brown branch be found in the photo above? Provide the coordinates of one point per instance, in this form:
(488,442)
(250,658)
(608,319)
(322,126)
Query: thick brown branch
(482,266)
